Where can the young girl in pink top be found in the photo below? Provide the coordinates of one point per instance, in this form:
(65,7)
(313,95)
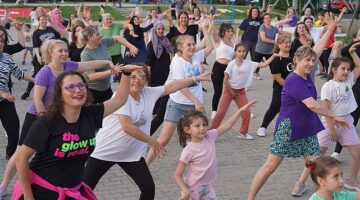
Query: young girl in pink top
(199,153)
(237,76)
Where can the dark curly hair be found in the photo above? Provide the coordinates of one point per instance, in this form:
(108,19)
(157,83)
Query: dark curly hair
(223,28)
(56,106)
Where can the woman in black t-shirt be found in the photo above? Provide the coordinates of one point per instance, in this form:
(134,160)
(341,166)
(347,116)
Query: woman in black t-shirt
(63,139)
(182,28)
(280,67)
(77,44)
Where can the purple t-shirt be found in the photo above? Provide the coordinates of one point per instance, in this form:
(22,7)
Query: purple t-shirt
(304,122)
(45,77)
(294,20)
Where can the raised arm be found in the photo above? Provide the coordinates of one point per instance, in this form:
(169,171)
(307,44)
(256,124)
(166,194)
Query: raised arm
(332,23)
(62,32)
(206,43)
(176,85)
(123,41)
(94,64)
(356,59)
(20,34)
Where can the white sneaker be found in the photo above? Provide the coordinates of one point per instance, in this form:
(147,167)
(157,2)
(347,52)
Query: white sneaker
(252,115)
(213,113)
(246,136)
(336,156)
(261,132)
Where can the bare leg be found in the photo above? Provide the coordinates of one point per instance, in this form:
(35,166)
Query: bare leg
(165,135)
(306,172)
(261,176)
(354,165)
(10,170)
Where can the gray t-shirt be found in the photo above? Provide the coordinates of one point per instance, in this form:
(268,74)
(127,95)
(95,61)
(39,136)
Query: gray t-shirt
(99,53)
(270,33)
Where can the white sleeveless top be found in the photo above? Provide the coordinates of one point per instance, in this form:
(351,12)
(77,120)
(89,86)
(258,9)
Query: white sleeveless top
(224,51)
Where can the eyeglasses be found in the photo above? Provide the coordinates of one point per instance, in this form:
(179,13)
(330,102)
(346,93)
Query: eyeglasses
(72,87)
(192,18)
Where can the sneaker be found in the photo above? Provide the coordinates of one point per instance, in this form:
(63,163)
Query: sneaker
(213,113)
(336,155)
(3,192)
(257,76)
(261,132)
(298,190)
(350,187)
(252,115)
(25,95)
(246,136)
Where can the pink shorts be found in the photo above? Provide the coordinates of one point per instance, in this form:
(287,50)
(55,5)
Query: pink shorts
(202,192)
(347,136)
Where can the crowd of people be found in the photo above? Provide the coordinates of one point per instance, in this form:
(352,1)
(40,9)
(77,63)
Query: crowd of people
(77,128)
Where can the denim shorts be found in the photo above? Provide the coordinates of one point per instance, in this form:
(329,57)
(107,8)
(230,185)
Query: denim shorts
(175,110)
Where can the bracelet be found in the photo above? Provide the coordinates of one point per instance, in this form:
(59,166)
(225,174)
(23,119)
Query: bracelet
(126,73)
(193,77)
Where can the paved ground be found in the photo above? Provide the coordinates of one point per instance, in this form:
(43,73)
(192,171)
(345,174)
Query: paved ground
(238,159)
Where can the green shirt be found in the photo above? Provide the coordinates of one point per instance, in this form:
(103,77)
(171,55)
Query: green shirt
(336,196)
(114,49)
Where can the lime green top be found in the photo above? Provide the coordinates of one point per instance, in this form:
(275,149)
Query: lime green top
(114,49)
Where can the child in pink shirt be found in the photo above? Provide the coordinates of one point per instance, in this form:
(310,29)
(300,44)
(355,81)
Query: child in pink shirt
(199,153)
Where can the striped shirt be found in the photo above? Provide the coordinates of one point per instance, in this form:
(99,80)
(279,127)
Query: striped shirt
(8,67)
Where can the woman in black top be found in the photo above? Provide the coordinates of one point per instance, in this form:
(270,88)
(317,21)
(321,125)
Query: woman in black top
(69,120)
(182,28)
(135,35)
(77,44)
(159,51)
(41,34)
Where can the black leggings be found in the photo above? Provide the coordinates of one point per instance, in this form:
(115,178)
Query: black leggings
(160,113)
(37,67)
(250,48)
(217,78)
(11,124)
(259,58)
(324,59)
(273,110)
(28,121)
(101,96)
(137,170)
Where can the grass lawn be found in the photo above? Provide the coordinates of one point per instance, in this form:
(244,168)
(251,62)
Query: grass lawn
(238,15)
(95,11)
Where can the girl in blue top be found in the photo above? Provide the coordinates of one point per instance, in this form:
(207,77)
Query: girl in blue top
(327,174)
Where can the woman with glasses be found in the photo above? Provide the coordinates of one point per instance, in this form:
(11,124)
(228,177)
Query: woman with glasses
(124,138)
(185,64)
(97,49)
(56,56)
(57,169)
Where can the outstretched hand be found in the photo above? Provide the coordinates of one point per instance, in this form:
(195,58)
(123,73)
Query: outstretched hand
(204,77)
(331,21)
(248,105)
(353,47)
(130,68)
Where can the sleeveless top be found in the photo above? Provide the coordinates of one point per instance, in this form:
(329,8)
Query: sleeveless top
(224,51)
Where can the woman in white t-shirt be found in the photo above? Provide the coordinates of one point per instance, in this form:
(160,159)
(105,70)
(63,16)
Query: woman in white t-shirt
(185,64)
(125,135)
(338,97)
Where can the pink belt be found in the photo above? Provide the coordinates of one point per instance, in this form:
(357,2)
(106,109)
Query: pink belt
(63,192)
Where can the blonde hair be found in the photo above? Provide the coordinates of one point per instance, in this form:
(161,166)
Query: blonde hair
(180,40)
(303,52)
(281,39)
(47,48)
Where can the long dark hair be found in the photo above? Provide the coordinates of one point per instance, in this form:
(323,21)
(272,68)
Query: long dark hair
(223,28)
(250,11)
(56,106)
(7,36)
(296,34)
(185,121)
(336,63)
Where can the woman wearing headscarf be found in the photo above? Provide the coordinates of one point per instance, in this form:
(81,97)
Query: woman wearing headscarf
(135,35)
(159,51)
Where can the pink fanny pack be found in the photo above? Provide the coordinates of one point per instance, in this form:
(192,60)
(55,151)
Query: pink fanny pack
(63,192)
